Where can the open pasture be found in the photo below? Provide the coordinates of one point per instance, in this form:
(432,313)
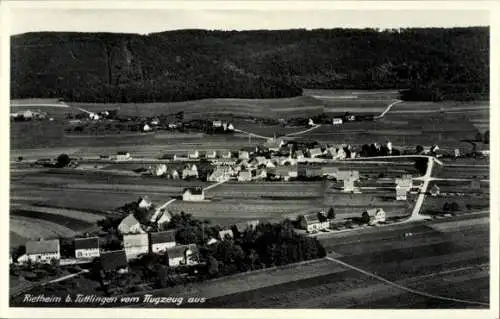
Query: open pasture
(462,172)
(352,94)
(465,203)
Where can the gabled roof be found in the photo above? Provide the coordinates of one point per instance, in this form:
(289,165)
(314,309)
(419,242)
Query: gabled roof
(242,226)
(315,151)
(42,247)
(178,251)
(163,237)
(193,190)
(373,211)
(129,221)
(226,232)
(312,218)
(135,240)
(113,260)
(403,183)
(87,243)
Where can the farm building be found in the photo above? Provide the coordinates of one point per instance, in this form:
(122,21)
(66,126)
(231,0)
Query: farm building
(190,171)
(193,194)
(243,155)
(245,176)
(217,123)
(269,164)
(377,215)
(221,173)
(230,127)
(286,172)
(43,251)
(403,186)
(194,155)
(87,247)
(310,122)
(135,245)
(161,241)
(274,145)
(114,261)
(183,255)
(130,225)
(340,154)
(123,156)
(211,154)
(434,191)
(337,121)
(164,217)
(315,152)
(223,234)
(312,222)
(226,154)
(158,170)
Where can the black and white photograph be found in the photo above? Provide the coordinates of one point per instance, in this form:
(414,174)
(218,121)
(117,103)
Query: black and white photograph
(249,158)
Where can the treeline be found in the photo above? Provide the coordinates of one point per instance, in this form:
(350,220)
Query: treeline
(433,63)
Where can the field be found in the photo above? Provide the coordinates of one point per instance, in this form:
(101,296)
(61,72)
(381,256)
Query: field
(463,171)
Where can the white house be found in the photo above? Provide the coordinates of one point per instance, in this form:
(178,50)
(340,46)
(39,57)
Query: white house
(146,128)
(43,251)
(337,121)
(230,127)
(434,191)
(161,241)
(312,223)
(158,170)
(194,155)
(299,155)
(274,145)
(123,156)
(260,174)
(130,225)
(217,123)
(226,155)
(211,154)
(221,173)
(174,174)
(144,202)
(190,172)
(244,176)
(183,255)
(87,247)
(310,122)
(403,186)
(377,215)
(223,234)
(341,154)
(243,155)
(135,245)
(193,194)
(315,152)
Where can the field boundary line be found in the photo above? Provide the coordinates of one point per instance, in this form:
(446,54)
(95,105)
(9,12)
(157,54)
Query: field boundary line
(388,108)
(413,291)
(304,131)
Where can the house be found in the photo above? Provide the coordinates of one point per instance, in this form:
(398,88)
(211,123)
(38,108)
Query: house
(158,170)
(161,241)
(244,176)
(273,144)
(341,154)
(226,155)
(146,128)
(212,241)
(28,115)
(174,174)
(337,121)
(329,171)
(164,217)
(217,123)
(87,247)
(130,225)
(299,155)
(377,215)
(194,155)
(457,152)
(315,152)
(123,156)
(135,245)
(243,155)
(241,227)
(434,191)
(190,171)
(403,186)
(221,173)
(211,154)
(114,261)
(223,234)
(193,194)
(144,203)
(286,172)
(401,193)
(269,164)
(155,121)
(230,127)
(183,255)
(348,185)
(261,174)
(43,251)
(310,122)
(258,160)
(312,223)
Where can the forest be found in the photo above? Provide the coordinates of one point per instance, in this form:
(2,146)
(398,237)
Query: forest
(426,64)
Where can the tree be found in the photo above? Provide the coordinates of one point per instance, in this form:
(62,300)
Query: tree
(419,149)
(421,165)
(321,217)
(487,137)
(454,207)
(365,218)
(446,207)
(479,137)
(20,159)
(331,213)
(63,160)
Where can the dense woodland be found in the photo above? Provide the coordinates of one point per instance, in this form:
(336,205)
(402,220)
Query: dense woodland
(431,64)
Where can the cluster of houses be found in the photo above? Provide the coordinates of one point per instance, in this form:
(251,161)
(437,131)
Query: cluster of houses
(315,222)
(28,115)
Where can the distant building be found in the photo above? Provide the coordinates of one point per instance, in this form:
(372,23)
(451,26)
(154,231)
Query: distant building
(144,202)
(244,176)
(223,234)
(230,127)
(158,170)
(315,152)
(161,241)
(403,186)
(221,173)
(193,194)
(183,255)
(190,171)
(260,174)
(341,154)
(329,171)
(135,245)
(174,174)
(377,215)
(146,128)
(243,155)
(274,145)
(226,154)
(114,261)
(310,122)
(43,251)
(194,155)
(286,172)
(211,155)
(311,223)
(457,152)
(217,123)
(299,155)
(87,247)
(337,121)
(123,156)
(130,225)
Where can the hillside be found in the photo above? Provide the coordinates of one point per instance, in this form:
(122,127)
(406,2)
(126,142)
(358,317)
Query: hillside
(195,64)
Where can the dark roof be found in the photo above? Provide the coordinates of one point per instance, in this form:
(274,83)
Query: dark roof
(121,153)
(113,260)
(178,251)
(42,246)
(86,243)
(194,190)
(163,236)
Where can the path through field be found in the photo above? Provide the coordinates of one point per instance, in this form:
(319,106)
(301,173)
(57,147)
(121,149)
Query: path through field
(389,107)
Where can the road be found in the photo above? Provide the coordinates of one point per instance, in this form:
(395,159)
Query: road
(304,131)
(252,134)
(415,214)
(66,277)
(389,107)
